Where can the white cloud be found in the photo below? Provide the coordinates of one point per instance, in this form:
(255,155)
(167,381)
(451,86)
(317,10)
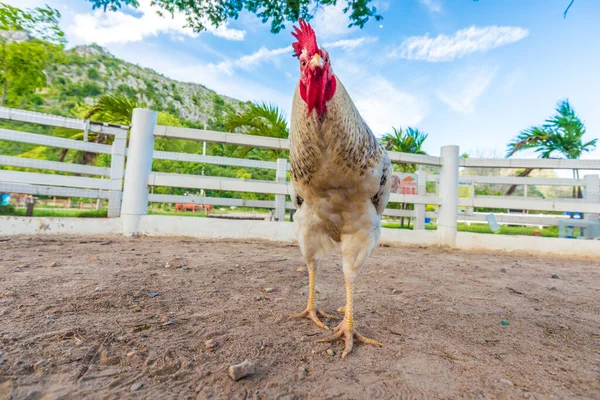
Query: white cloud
(445,48)
(380,103)
(432,5)
(249,61)
(118,27)
(331,22)
(466,88)
(263,54)
(348,44)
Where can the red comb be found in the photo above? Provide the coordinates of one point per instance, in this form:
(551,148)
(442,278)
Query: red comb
(306,39)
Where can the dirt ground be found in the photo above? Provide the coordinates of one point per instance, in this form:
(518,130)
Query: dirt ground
(128,318)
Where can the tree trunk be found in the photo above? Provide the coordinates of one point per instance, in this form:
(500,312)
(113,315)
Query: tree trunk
(574,187)
(402,207)
(521,174)
(4,92)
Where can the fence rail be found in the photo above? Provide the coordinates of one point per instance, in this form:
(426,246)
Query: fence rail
(537,163)
(32,117)
(141,177)
(45,140)
(199,135)
(53,166)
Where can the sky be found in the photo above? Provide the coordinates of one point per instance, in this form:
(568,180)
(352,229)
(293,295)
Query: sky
(468,73)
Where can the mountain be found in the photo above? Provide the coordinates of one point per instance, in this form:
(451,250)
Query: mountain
(89,71)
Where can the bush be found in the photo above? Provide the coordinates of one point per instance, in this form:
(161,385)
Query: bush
(7,210)
(93,74)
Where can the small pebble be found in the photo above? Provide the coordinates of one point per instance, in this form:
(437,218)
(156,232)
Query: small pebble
(40,364)
(396,291)
(19,362)
(152,294)
(502,269)
(51,316)
(93,258)
(554,276)
(507,382)
(99,289)
(211,344)
(505,322)
(300,269)
(268,290)
(237,372)
(136,386)
(330,352)
(52,265)
(302,372)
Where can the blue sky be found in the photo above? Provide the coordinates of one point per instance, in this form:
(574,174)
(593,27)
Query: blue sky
(468,73)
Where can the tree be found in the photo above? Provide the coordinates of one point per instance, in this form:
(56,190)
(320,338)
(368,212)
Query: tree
(560,137)
(405,141)
(408,141)
(202,13)
(260,119)
(30,41)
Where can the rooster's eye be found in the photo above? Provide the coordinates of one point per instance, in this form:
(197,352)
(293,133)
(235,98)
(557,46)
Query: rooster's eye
(304,63)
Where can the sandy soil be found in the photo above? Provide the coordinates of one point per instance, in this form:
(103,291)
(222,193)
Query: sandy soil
(78,320)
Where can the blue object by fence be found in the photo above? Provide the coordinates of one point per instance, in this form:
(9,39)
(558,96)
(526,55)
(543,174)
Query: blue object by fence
(4,199)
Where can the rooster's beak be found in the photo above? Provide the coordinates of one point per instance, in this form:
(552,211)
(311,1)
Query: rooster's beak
(316,61)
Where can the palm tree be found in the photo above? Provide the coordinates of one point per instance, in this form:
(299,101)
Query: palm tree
(408,141)
(559,137)
(260,119)
(110,108)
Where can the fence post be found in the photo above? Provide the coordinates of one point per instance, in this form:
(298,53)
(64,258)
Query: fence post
(447,218)
(139,165)
(592,194)
(280,177)
(117,166)
(420,208)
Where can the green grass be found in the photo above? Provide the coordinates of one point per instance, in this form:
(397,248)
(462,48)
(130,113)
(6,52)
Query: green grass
(550,231)
(215,210)
(62,212)
(199,213)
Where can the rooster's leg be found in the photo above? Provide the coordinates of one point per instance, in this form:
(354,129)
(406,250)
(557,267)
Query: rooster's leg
(311,312)
(355,254)
(345,330)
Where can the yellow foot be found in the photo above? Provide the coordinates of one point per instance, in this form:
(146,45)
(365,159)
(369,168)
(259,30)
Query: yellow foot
(348,335)
(342,309)
(314,314)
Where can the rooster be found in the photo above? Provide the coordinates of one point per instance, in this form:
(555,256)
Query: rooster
(341,179)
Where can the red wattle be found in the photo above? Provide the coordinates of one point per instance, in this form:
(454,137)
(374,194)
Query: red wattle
(318,91)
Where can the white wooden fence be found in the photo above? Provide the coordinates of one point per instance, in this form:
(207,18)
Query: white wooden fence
(107,183)
(130,200)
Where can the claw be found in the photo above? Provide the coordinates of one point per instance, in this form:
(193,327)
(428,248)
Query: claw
(312,314)
(349,335)
(342,309)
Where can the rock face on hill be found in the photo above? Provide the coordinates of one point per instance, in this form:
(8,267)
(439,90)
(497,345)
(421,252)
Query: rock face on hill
(89,71)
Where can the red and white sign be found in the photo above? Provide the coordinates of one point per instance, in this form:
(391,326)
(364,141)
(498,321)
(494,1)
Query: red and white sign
(404,184)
